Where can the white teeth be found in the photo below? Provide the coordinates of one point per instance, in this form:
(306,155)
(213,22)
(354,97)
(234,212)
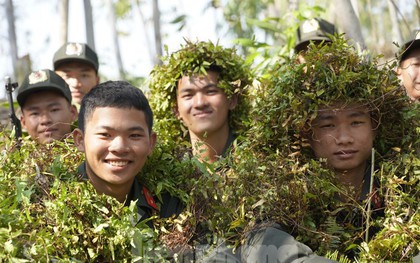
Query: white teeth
(118,163)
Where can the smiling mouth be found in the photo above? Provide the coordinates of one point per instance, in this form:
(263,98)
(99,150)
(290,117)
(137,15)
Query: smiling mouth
(48,131)
(345,153)
(118,163)
(202,113)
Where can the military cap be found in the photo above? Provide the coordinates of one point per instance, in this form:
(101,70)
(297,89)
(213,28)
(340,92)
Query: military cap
(316,29)
(42,80)
(410,45)
(76,52)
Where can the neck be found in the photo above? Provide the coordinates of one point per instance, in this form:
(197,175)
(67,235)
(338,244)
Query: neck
(353,178)
(119,192)
(208,147)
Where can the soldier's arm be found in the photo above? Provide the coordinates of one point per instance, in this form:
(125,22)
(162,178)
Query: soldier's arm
(268,244)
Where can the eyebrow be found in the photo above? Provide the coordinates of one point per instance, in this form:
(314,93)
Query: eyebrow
(189,88)
(134,128)
(358,113)
(330,116)
(37,107)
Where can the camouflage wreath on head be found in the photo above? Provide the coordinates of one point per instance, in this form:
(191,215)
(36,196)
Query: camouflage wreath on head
(332,73)
(196,58)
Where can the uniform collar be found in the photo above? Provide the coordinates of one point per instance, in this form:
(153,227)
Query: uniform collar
(137,192)
(228,145)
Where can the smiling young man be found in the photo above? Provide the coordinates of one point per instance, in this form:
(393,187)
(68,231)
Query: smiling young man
(408,70)
(338,119)
(205,91)
(45,101)
(78,65)
(115,133)
(199,97)
(203,108)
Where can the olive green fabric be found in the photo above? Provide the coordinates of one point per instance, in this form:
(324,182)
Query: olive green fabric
(42,80)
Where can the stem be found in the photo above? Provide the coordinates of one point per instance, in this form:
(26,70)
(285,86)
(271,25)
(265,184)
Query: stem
(368,212)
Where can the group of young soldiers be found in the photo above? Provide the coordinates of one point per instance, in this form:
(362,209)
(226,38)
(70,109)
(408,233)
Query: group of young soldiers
(204,88)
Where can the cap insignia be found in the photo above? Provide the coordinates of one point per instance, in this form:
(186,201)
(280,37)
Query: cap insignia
(37,76)
(74,49)
(310,26)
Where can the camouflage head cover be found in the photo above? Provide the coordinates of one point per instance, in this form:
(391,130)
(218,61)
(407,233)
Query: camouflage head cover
(196,59)
(334,73)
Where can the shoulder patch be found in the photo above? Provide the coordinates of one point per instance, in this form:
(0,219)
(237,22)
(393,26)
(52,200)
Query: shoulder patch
(149,198)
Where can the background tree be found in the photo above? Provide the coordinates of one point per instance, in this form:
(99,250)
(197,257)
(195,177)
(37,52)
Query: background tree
(156,27)
(114,33)
(90,36)
(10,14)
(64,21)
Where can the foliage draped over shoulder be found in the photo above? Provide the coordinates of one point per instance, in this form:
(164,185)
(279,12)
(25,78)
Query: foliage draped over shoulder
(196,58)
(48,215)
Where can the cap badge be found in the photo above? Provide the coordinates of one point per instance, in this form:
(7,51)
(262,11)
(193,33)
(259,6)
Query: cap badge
(310,26)
(74,49)
(37,76)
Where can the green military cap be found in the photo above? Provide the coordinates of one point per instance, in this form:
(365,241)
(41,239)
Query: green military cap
(316,29)
(76,52)
(410,45)
(42,80)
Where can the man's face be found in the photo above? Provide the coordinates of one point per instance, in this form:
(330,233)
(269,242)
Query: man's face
(201,105)
(116,143)
(344,137)
(409,73)
(81,78)
(47,116)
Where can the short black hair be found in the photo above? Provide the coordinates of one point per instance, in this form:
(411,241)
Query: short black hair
(116,94)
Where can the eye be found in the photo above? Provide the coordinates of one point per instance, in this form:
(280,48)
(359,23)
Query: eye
(136,136)
(64,75)
(55,109)
(103,135)
(357,123)
(33,113)
(187,96)
(212,91)
(327,126)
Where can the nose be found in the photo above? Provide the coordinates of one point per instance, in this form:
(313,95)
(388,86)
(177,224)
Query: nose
(118,145)
(45,119)
(200,100)
(344,135)
(73,82)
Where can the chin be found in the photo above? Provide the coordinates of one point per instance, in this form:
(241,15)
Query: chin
(46,140)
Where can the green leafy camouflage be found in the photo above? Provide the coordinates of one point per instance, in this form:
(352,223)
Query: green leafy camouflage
(195,58)
(48,215)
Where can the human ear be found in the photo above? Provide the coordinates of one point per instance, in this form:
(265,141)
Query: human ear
(79,139)
(23,121)
(73,111)
(153,139)
(233,101)
(176,112)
